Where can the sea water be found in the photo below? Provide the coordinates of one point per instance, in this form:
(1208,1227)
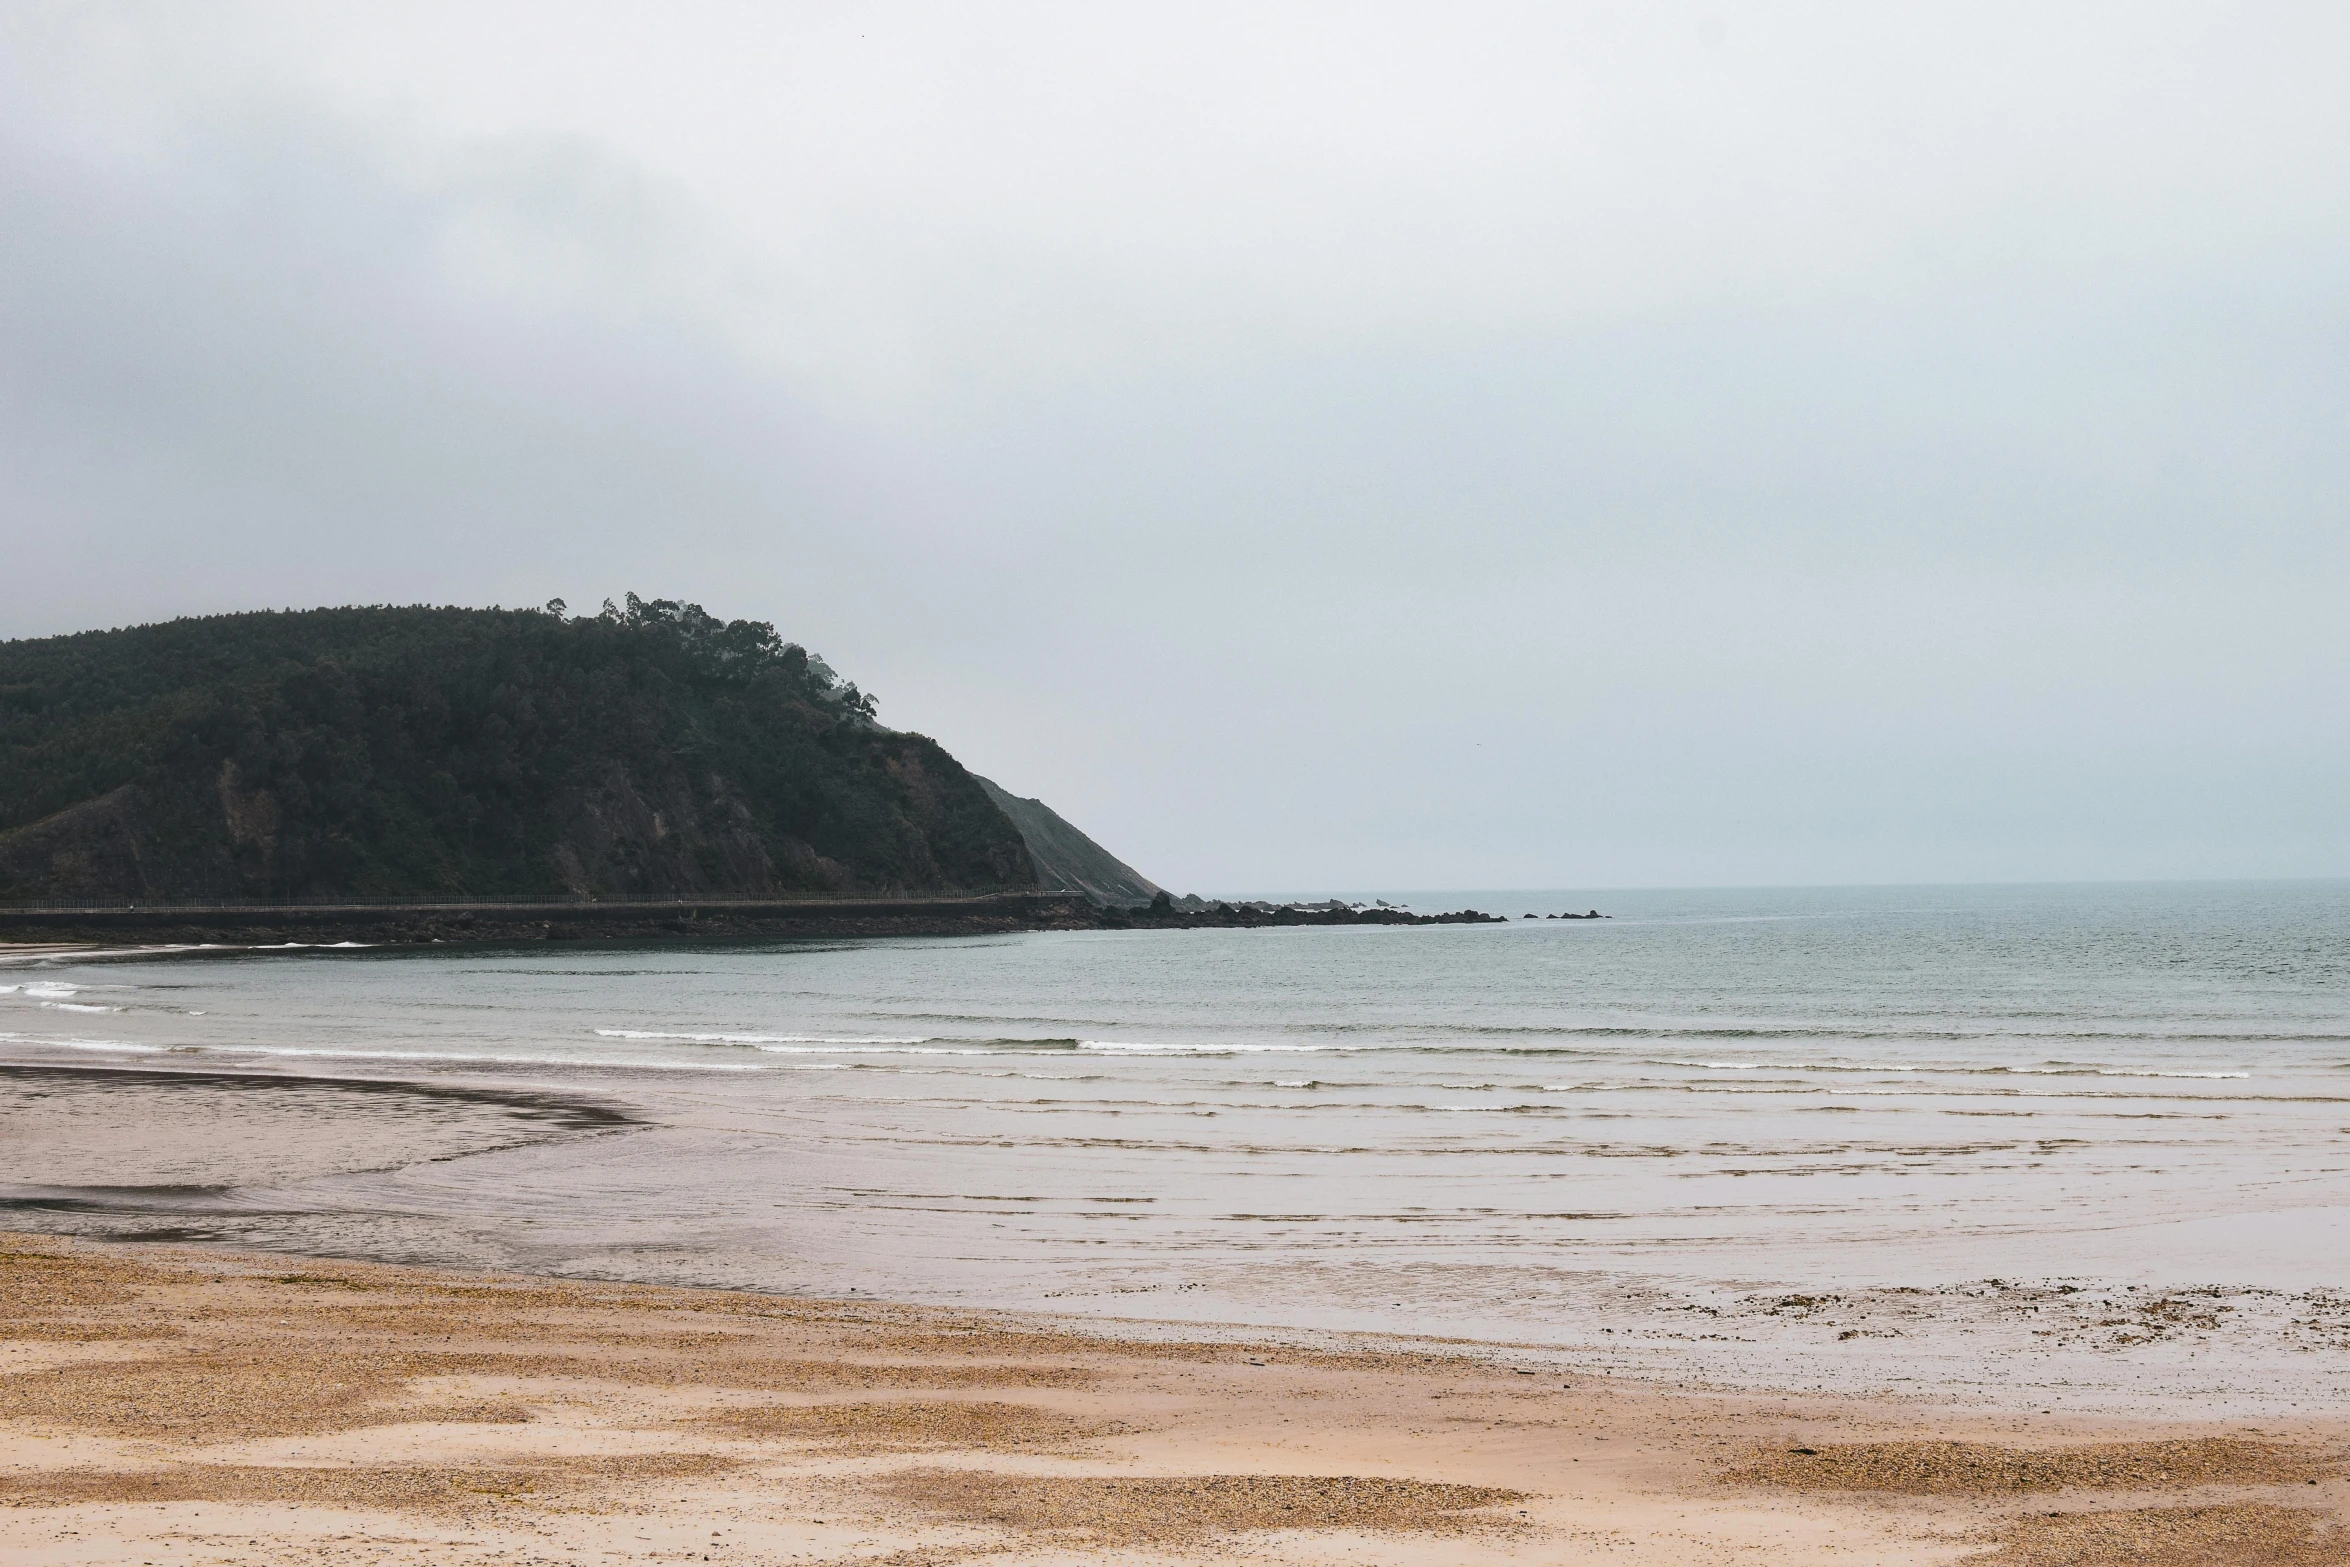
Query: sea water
(1543,1130)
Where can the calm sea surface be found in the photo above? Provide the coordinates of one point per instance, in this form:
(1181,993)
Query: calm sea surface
(1443,1127)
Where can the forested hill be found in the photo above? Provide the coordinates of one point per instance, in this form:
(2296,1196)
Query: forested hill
(435,752)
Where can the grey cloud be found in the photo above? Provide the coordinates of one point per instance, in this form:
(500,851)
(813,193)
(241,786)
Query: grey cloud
(249,365)
(2020,557)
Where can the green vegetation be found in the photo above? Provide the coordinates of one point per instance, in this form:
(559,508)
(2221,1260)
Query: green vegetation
(417,752)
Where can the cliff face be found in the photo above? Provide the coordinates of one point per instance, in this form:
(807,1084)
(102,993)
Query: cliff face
(446,752)
(1066,859)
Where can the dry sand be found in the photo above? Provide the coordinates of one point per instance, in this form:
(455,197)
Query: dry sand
(166,1407)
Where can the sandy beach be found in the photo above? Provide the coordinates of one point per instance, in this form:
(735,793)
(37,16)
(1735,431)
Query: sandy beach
(168,1405)
(1393,785)
(1175,1249)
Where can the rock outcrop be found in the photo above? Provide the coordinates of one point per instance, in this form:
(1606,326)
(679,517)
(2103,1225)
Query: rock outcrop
(1066,860)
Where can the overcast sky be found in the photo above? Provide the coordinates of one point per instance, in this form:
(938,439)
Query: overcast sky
(1314,448)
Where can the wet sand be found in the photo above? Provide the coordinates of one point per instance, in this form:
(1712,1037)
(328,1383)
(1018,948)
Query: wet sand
(151,1133)
(173,1405)
(629,1177)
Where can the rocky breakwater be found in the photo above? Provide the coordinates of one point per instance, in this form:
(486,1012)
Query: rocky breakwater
(1191,913)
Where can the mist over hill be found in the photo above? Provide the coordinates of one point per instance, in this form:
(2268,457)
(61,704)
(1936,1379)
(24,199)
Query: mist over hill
(435,752)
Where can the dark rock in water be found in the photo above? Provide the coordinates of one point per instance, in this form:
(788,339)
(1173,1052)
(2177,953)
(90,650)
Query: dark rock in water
(1174,913)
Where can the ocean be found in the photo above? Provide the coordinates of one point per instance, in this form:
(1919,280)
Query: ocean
(1950,1123)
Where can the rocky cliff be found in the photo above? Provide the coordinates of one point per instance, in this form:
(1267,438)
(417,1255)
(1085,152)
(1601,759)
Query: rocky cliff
(1067,860)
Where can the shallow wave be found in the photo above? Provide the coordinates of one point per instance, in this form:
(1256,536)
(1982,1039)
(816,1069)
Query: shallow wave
(1430,1035)
(113,1045)
(451,1058)
(848,1044)
(2136,1071)
(1944,1068)
(1439,1031)
(1195,1048)
(2096,1069)
(988,1047)
(948,1045)
(659,1036)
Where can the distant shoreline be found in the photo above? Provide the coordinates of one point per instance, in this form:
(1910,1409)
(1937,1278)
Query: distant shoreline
(718,918)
